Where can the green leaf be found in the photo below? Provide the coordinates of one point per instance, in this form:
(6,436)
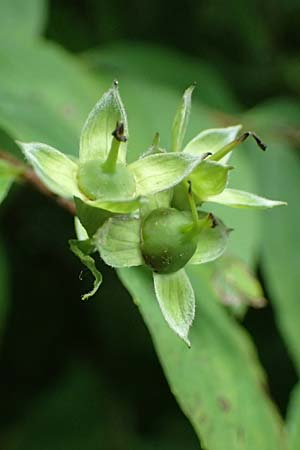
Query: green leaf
(45,93)
(218,382)
(22,20)
(293,419)
(56,170)
(280,246)
(241,199)
(159,172)
(209,178)
(181,119)
(90,217)
(8,173)
(163,69)
(212,243)
(212,140)
(82,250)
(118,242)
(176,299)
(96,136)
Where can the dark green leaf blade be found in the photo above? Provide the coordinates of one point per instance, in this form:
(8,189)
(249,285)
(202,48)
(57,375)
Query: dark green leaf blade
(281,245)
(218,382)
(293,420)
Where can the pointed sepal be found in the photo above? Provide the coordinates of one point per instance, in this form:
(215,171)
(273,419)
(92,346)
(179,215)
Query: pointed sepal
(96,135)
(56,170)
(212,242)
(159,172)
(181,119)
(118,242)
(242,199)
(209,178)
(176,299)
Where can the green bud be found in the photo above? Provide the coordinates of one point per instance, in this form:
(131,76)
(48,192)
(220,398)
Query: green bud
(168,239)
(96,182)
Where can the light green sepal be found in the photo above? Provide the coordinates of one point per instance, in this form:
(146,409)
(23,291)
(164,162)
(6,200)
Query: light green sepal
(96,135)
(82,250)
(212,140)
(241,199)
(8,173)
(209,178)
(181,119)
(212,243)
(176,299)
(118,242)
(121,207)
(80,231)
(56,170)
(159,172)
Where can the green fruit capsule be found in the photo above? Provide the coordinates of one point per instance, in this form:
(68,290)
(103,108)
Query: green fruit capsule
(168,239)
(96,182)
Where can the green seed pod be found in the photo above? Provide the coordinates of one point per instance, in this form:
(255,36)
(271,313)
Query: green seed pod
(168,239)
(96,182)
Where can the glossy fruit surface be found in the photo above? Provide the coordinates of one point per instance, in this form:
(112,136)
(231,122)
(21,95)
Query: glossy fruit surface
(167,240)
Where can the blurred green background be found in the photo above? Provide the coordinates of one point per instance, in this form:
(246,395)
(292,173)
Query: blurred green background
(79,375)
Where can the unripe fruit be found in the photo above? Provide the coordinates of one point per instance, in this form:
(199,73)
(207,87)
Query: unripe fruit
(168,239)
(96,182)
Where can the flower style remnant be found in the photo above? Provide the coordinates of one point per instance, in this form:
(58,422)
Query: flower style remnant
(147,212)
